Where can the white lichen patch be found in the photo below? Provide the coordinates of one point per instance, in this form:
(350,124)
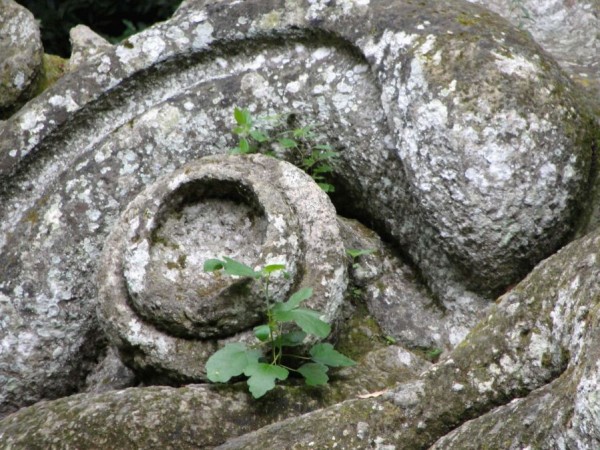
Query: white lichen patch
(203,35)
(515,65)
(137,259)
(65,101)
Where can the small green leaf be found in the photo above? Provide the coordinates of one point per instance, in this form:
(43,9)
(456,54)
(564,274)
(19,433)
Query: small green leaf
(356,252)
(259,136)
(233,267)
(309,321)
(287,143)
(262,377)
(244,146)
(262,332)
(242,116)
(211,265)
(301,132)
(241,131)
(326,354)
(315,374)
(291,339)
(230,361)
(326,187)
(323,168)
(297,298)
(272,268)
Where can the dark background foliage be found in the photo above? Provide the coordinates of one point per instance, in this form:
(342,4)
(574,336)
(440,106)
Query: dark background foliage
(113,19)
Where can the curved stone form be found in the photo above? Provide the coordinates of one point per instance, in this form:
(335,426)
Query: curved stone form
(537,355)
(158,306)
(568,30)
(20,55)
(458,138)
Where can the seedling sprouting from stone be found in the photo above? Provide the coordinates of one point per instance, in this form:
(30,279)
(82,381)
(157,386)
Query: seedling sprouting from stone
(299,145)
(355,253)
(263,362)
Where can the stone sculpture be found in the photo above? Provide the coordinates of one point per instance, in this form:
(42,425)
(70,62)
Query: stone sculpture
(461,142)
(156,303)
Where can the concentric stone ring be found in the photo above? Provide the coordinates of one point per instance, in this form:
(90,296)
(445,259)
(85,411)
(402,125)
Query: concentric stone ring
(157,305)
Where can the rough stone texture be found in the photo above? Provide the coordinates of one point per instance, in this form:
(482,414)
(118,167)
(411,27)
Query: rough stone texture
(459,139)
(85,46)
(196,416)
(110,374)
(567,29)
(538,347)
(158,306)
(399,302)
(20,55)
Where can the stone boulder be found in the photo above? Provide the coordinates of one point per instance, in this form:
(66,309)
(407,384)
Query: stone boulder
(161,309)
(20,56)
(191,417)
(526,377)
(568,30)
(459,140)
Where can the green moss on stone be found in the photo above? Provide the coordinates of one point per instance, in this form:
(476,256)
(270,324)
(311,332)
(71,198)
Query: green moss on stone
(53,68)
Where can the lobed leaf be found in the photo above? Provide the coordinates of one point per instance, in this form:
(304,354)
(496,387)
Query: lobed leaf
(314,374)
(295,299)
(262,377)
(291,339)
(230,361)
(309,321)
(325,354)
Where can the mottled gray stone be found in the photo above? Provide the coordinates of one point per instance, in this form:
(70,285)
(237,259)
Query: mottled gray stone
(536,353)
(85,46)
(20,55)
(404,309)
(191,417)
(463,143)
(109,374)
(567,29)
(158,306)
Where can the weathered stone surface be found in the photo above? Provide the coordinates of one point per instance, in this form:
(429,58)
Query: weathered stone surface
(568,30)
(539,346)
(20,55)
(85,45)
(399,302)
(461,141)
(192,416)
(158,306)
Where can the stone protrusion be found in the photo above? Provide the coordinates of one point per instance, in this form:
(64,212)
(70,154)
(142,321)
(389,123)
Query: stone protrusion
(20,55)
(161,309)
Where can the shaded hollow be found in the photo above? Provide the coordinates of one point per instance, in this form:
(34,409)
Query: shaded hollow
(202,219)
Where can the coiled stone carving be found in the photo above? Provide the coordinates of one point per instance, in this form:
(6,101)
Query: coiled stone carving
(158,306)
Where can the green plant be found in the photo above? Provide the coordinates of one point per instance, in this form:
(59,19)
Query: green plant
(263,363)
(355,253)
(299,145)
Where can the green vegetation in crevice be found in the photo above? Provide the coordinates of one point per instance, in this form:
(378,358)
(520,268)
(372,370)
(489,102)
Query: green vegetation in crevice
(298,145)
(274,356)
